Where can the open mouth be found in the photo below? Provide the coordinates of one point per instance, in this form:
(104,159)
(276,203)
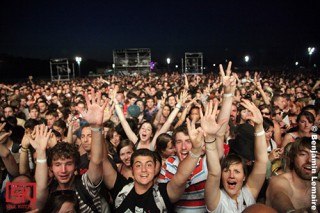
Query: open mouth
(231,184)
(184,154)
(307,168)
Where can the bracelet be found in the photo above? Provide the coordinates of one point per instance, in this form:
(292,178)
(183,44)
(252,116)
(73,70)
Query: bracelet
(289,211)
(207,142)
(226,95)
(193,155)
(24,150)
(22,147)
(178,106)
(262,132)
(41,160)
(96,129)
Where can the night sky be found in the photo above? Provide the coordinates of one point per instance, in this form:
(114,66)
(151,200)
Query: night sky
(269,31)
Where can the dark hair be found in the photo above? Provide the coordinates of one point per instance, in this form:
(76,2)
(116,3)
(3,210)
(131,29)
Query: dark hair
(125,143)
(308,115)
(183,129)
(162,142)
(142,152)
(267,123)
(234,159)
(65,151)
(57,198)
(298,145)
(31,123)
(60,123)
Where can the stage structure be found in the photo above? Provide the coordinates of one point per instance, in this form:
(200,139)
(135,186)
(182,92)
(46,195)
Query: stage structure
(193,63)
(60,69)
(131,61)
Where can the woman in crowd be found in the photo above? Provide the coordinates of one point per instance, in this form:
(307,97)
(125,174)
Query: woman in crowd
(238,189)
(164,146)
(124,151)
(305,121)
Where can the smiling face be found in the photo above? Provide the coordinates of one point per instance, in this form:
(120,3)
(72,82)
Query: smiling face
(63,170)
(143,170)
(183,145)
(232,179)
(125,155)
(169,151)
(145,132)
(302,164)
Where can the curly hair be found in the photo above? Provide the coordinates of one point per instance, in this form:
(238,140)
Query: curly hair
(63,150)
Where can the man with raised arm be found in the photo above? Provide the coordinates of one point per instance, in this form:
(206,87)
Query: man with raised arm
(192,199)
(63,159)
(142,194)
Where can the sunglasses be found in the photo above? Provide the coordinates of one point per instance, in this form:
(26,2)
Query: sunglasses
(265,113)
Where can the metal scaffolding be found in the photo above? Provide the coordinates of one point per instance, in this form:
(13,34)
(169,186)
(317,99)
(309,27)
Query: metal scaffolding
(130,61)
(60,69)
(193,63)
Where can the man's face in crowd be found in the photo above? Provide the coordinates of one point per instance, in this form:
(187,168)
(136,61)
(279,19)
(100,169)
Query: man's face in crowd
(183,145)
(23,102)
(143,170)
(63,170)
(8,111)
(34,114)
(150,103)
(280,103)
(86,139)
(172,101)
(302,164)
(233,113)
(42,107)
(80,107)
(50,120)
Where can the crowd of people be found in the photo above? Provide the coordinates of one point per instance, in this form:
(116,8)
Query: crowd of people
(224,142)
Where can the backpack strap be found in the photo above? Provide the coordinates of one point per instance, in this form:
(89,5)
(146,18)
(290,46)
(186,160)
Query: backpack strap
(158,198)
(84,194)
(123,194)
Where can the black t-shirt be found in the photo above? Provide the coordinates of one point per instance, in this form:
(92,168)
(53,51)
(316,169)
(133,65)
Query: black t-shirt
(144,203)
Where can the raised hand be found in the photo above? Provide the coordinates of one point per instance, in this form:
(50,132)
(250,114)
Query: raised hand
(94,114)
(5,135)
(183,97)
(108,111)
(208,120)
(228,80)
(256,116)
(41,137)
(196,135)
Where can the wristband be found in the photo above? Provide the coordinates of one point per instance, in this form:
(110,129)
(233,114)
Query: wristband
(262,132)
(178,106)
(208,142)
(24,150)
(96,129)
(193,155)
(41,160)
(226,95)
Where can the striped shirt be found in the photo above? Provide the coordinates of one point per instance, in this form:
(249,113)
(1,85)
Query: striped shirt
(192,199)
(93,192)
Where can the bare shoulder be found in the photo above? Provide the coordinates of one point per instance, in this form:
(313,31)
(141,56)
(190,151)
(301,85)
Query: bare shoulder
(280,183)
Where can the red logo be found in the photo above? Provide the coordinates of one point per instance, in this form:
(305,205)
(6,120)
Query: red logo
(20,193)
